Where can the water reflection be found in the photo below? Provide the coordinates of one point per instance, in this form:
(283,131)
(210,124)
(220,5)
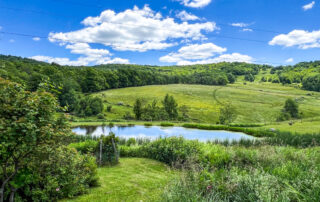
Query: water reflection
(153,132)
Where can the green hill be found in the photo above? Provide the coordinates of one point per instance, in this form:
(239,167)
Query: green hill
(254,102)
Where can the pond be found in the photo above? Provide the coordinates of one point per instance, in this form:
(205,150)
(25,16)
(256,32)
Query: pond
(154,132)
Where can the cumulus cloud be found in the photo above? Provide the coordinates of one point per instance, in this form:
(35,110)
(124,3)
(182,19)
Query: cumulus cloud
(300,38)
(89,56)
(36,38)
(195,3)
(289,60)
(308,6)
(81,61)
(58,60)
(203,54)
(185,16)
(194,51)
(133,30)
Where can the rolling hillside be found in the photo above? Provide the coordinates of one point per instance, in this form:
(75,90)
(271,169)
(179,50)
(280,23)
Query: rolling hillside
(254,102)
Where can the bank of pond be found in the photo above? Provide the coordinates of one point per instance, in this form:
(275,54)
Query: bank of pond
(271,169)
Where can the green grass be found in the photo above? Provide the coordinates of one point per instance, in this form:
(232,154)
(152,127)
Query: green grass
(304,126)
(133,179)
(255,102)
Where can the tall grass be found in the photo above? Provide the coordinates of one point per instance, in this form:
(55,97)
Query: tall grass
(166,124)
(213,172)
(249,131)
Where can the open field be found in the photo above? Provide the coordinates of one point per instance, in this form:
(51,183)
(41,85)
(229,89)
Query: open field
(254,102)
(133,179)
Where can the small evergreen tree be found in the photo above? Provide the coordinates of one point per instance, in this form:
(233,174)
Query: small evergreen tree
(170,106)
(137,109)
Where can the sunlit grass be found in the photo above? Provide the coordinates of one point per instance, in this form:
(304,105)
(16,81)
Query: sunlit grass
(255,102)
(134,179)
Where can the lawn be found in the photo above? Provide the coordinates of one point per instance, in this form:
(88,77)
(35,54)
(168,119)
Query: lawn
(133,179)
(255,102)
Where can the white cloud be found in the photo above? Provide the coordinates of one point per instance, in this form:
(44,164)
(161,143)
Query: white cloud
(81,61)
(85,49)
(308,6)
(0,28)
(247,30)
(61,61)
(289,60)
(89,56)
(240,24)
(195,3)
(203,54)
(133,29)
(234,57)
(185,16)
(12,41)
(193,52)
(300,38)
(36,38)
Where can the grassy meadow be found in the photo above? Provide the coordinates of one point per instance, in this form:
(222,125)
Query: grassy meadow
(133,179)
(254,102)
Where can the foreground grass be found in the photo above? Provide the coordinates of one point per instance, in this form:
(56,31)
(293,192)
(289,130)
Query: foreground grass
(254,102)
(133,179)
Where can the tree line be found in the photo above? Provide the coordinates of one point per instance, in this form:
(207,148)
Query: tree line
(71,85)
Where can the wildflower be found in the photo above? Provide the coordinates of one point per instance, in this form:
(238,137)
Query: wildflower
(58,189)
(209,187)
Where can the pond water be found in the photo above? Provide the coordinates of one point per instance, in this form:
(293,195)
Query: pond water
(154,132)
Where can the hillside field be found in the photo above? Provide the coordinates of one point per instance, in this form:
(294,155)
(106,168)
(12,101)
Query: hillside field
(254,102)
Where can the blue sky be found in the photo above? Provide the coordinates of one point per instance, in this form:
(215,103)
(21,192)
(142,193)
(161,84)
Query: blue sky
(166,32)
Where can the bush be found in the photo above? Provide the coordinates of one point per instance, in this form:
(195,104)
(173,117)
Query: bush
(88,106)
(57,174)
(166,124)
(109,108)
(110,150)
(147,124)
(171,150)
(249,77)
(86,147)
(101,116)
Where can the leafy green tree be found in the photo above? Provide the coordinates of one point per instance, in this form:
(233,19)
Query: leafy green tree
(231,78)
(291,107)
(170,106)
(89,106)
(96,105)
(27,123)
(227,114)
(249,77)
(137,108)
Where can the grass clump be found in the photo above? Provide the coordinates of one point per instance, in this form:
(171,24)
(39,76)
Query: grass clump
(166,124)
